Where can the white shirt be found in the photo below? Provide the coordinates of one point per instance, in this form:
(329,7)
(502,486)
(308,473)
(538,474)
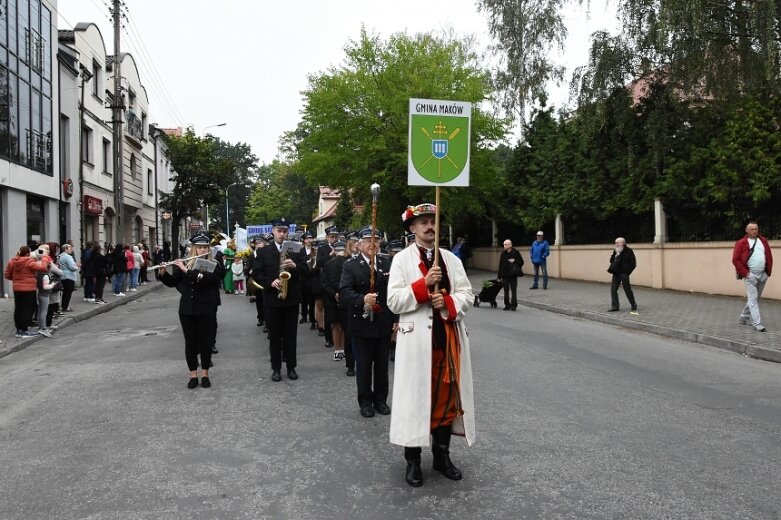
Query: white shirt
(756,262)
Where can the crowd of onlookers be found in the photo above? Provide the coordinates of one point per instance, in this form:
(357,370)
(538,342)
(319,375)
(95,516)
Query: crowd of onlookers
(44,278)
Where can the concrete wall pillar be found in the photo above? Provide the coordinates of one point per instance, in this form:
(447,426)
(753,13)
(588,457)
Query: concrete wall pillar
(559,231)
(494,233)
(660,222)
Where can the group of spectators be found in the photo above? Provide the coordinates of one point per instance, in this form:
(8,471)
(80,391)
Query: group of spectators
(43,282)
(123,265)
(44,279)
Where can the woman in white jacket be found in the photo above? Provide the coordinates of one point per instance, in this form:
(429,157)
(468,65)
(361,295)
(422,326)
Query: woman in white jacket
(432,387)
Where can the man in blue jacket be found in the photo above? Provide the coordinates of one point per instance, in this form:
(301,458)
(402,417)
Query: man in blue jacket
(539,252)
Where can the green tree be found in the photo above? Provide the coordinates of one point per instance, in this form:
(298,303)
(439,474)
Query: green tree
(345,211)
(281,191)
(353,130)
(525,32)
(245,173)
(201,175)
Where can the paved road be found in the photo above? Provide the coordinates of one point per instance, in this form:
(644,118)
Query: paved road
(576,419)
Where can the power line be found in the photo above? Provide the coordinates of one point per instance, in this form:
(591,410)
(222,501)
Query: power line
(134,28)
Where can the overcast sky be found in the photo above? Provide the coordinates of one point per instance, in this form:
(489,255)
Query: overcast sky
(245,62)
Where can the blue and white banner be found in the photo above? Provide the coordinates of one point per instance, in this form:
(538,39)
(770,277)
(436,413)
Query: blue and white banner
(264,229)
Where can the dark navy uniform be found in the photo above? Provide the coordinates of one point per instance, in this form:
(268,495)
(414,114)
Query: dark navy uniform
(197,310)
(370,338)
(281,315)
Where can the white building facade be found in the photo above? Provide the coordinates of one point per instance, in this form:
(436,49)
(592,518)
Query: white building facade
(31,191)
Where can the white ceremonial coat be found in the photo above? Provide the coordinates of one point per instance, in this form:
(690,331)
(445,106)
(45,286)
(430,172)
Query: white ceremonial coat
(411,418)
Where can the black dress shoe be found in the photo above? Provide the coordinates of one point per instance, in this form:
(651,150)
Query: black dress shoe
(367,411)
(328,344)
(205,382)
(313,326)
(612,309)
(192,383)
(215,351)
(382,408)
(302,320)
(260,324)
(321,332)
(506,308)
(350,372)
(291,374)
(276,376)
(634,307)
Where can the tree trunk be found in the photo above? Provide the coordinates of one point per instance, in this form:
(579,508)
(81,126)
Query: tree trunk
(175,241)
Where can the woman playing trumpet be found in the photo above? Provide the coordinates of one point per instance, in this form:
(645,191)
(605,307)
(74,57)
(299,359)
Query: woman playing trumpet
(197,306)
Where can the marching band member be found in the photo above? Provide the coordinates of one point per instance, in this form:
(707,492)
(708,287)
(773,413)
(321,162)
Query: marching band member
(369,323)
(281,314)
(433,394)
(200,292)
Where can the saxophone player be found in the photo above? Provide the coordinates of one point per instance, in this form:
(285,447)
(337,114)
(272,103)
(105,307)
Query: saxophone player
(280,275)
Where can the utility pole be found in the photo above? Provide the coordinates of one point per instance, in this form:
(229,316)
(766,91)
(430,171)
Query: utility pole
(117,107)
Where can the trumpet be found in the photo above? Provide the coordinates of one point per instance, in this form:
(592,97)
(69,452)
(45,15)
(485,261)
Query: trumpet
(172,262)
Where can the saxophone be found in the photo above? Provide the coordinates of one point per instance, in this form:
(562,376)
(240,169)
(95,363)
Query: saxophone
(284,276)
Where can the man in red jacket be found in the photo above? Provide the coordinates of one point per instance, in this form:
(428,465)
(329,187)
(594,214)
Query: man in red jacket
(753,263)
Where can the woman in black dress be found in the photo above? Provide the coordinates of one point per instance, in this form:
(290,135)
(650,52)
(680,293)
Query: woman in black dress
(197,307)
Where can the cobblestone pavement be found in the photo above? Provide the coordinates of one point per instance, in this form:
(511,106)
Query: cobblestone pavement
(701,318)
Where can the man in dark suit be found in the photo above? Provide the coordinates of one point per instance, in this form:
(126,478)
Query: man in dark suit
(369,323)
(307,298)
(281,315)
(325,253)
(622,263)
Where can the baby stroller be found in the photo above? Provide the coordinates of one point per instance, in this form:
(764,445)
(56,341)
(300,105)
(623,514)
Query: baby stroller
(488,293)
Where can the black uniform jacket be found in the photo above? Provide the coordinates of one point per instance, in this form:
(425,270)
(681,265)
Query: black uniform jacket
(199,297)
(624,264)
(265,269)
(354,285)
(323,256)
(505,265)
(331,275)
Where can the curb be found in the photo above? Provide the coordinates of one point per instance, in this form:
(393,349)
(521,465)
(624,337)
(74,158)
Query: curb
(81,316)
(740,347)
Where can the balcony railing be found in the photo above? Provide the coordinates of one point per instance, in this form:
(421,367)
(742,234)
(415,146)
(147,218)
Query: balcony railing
(134,126)
(39,150)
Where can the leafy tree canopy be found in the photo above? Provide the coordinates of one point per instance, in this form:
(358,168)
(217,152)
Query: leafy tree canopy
(281,191)
(354,126)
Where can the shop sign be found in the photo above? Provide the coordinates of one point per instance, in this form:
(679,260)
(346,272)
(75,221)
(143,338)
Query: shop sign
(67,188)
(93,205)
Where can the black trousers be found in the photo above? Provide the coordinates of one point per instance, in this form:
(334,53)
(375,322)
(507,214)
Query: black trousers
(67,290)
(199,332)
(24,306)
(510,285)
(307,303)
(100,283)
(259,305)
(282,330)
(371,362)
(621,279)
(349,358)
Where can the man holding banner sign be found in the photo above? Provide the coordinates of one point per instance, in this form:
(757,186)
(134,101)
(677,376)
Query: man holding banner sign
(429,290)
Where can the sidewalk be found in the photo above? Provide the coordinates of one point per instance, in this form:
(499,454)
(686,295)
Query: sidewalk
(81,311)
(700,318)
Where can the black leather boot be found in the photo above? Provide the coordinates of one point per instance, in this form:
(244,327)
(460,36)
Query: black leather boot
(413,475)
(441,450)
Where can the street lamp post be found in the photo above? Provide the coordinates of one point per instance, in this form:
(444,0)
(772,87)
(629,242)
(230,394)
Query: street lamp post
(227,209)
